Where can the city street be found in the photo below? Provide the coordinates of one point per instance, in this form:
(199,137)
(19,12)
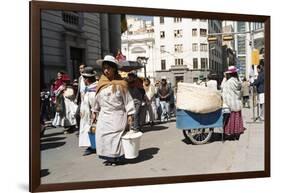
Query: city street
(164,152)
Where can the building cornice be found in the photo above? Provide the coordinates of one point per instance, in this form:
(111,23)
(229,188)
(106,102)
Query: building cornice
(133,41)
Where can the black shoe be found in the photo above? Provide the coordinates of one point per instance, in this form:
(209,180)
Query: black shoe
(135,129)
(110,163)
(237,136)
(89,151)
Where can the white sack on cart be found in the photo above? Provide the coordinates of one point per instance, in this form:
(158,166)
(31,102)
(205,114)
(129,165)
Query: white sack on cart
(198,99)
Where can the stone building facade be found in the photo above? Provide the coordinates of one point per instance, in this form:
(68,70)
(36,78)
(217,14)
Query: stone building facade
(71,38)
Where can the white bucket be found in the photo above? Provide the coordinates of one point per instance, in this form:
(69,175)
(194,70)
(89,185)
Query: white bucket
(131,144)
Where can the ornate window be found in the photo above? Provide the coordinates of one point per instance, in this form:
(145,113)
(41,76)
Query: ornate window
(71,18)
(194,47)
(162,34)
(178,33)
(178,61)
(195,63)
(178,48)
(163,64)
(194,32)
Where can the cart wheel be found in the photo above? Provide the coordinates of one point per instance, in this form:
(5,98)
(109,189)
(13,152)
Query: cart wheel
(198,136)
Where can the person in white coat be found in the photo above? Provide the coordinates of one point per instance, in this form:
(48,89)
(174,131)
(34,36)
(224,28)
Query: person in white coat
(231,93)
(85,109)
(116,108)
(212,83)
(80,94)
(150,101)
(65,106)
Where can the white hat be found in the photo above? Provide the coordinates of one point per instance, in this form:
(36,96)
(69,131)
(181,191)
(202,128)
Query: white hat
(163,78)
(109,58)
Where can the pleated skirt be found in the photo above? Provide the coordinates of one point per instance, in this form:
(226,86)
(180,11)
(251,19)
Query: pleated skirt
(234,124)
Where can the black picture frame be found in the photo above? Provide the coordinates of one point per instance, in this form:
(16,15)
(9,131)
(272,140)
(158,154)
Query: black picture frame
(34,145)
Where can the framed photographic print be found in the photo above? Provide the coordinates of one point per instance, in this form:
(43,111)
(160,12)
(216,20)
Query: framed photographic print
(124,96)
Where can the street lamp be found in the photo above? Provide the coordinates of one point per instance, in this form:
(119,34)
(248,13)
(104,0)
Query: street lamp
(143,61)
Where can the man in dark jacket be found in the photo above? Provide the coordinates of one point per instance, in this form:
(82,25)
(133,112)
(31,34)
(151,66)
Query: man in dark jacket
(259,83)
(137,92)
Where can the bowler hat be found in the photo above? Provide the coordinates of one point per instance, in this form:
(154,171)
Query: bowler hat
(89,72)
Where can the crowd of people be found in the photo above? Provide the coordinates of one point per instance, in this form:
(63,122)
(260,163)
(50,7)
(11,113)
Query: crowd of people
(236,95)
(112,105)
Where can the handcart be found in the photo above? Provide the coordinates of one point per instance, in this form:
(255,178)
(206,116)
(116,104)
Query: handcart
(200,127)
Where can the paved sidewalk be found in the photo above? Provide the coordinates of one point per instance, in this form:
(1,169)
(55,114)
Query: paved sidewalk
(163,152)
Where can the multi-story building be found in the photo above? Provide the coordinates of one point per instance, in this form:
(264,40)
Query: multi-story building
(228,29)
(242,44)
(250,36)
(181,48)
(177,48)
(228,46)
(139,42)
(258,38)
(215,48)
(71,38)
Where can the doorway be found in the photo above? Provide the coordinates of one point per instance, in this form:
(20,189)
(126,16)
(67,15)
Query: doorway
(178,79)
(77,57)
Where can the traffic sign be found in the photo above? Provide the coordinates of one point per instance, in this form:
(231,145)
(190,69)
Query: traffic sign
(255,57)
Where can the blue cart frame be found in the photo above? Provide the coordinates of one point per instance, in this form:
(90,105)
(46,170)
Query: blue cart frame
(188,121)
